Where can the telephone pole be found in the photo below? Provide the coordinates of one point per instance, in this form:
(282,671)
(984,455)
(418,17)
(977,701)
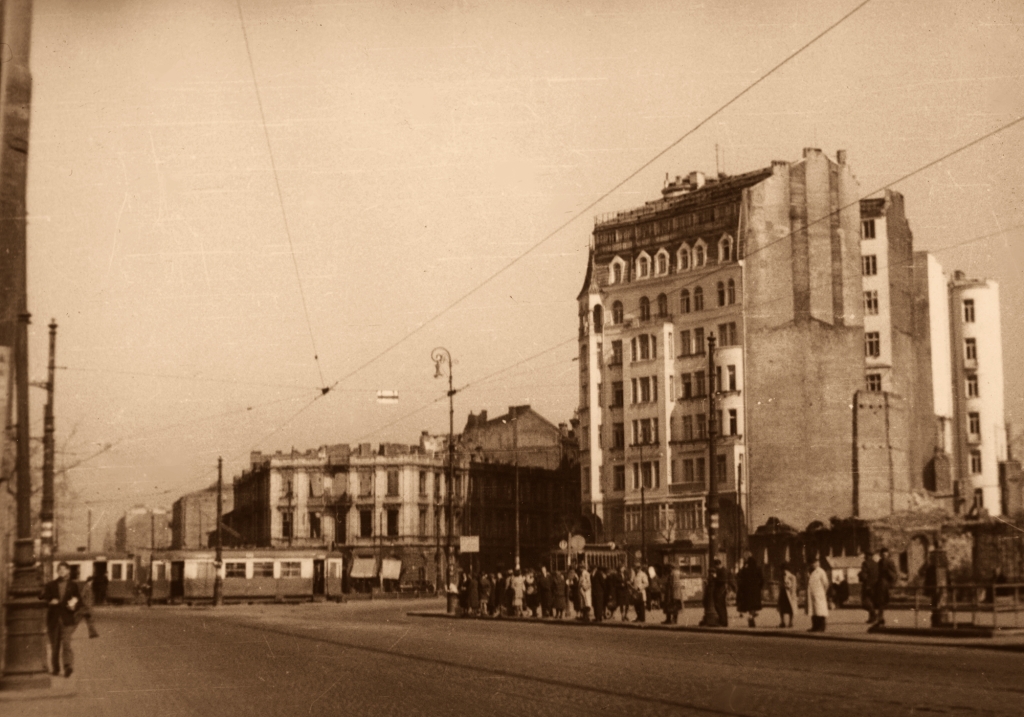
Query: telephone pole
(515,449)
(218,580)
(710,614)
(47,543)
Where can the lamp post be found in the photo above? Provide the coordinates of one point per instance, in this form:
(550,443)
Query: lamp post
(440,356)
(218,580)
(643,502)
(710,615)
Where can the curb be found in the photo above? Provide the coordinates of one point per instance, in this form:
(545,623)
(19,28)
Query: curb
(878,638)
(60,688)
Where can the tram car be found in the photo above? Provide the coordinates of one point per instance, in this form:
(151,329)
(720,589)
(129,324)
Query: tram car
(115,576)
(188,576)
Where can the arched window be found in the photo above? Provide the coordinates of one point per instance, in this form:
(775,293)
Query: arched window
(662,305)
(699,250)
(684,259)
(698,299)
(732,291)
(643,267)
(616,273)
(662,265)
(721,294)
(598,319)
(684,302)
(617,312)
(645,309)
(725,250)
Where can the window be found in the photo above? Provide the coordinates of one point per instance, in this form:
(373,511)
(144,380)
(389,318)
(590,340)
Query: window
(721,293)
(975,462)
(732,378)
(645,390)
(115,571)
(291,569)
(633,518)
(687,428)
(732,292)
(632,349)
(618,436)
(662,305)
(645,347)
(636,432)
(699,255)
(234,570)
(616,353)
(392,523)
(871,303)
(365,484)
(725,250)
(662,263)
(314,525)
(423,522)
(974,424)
(869,265)
(619,477)
(867,229)
(617,312)
(702,426)
(727,334)
(687,385)
(684,343)
(698,341)
(701,470)
(969,311)
(688,475)
(643,267)
(972,386)
(721,470)
(636,476)
(684,301)
(872,344)
(286,525)
(645,309)
(616,273)
(392,484)
(423,483)
(263,569)
(684,258)
(874,381)
(634,394)
(733,422)
(598,319)
(699,388)
(617,394)
(365,523)
(971,349)
(698,299)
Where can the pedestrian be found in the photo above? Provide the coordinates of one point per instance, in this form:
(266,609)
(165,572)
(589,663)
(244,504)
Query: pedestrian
(817,596)
(530,598)
(611,592)
(787,596)
(486,588)
(598,587)
(474,595)
(640,584)
(498,594)
(544,591)
(558,589)
(625,592)
(653,588)
(868,577)
(518,586)
(63,600)
(463,592)
(887,577)
(749,584)
(716,593)
(572,594)
(672,597)
(585,593)
(87,602)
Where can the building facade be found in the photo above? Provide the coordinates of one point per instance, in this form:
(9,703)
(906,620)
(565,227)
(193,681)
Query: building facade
(194,517)
(141,529)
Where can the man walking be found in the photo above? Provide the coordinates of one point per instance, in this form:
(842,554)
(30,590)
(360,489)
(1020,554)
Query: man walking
(887,577)
(640,584)
(868,576)
(63,600)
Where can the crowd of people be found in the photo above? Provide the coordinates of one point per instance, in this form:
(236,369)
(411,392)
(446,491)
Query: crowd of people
(578,592)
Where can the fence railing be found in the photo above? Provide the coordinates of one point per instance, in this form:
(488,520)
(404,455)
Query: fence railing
(988,605)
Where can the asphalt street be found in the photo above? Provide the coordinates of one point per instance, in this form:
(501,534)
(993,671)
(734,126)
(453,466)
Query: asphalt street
(373,659)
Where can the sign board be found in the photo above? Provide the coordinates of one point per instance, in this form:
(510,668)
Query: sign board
(391,569)
(387,397)
(577,543)
(563,544)
(469,543)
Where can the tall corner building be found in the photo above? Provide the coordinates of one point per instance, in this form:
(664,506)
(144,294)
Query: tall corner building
(835,370)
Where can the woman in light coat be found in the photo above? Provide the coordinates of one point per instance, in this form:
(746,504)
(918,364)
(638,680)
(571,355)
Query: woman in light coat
(817,596)
(586,599)
(787,596)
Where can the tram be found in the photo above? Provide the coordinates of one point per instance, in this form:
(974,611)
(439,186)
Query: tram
(115,576)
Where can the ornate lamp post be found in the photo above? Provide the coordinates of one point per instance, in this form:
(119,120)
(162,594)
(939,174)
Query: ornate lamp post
(442,356)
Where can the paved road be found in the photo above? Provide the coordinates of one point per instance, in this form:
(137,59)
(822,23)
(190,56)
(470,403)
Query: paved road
(371,659)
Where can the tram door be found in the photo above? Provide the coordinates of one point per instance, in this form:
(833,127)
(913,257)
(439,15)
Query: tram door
(319,581)
(177,580)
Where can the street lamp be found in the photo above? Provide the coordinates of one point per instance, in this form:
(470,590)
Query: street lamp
(710,614)
(441,356)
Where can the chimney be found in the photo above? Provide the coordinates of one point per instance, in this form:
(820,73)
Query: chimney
(811,150)
(959,275)
(696,180)
(841,156)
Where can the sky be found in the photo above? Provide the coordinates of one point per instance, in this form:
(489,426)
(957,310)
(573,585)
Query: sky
(236,203)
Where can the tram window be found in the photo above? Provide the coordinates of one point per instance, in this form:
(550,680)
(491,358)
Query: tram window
(115,571)
(130,568)
(263,569)
(235,570)
(160,571)
(291,569)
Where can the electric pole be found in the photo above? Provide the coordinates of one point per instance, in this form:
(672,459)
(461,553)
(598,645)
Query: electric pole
(515,450)
(643,502)
(710,614)
(218,580)
(442,355)
(47,542)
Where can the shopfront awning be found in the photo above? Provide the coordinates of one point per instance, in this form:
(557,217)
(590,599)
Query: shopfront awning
(391,569)
(364,567)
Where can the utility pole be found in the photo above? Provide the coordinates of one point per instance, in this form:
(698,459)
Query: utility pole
(441,355)
(643,502)
(25,651)
(47,542)
(515,452)
(88,533)
(218,580)
(710,615)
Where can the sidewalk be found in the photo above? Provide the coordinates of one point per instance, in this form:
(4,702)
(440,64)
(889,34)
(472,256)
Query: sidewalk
(846,624)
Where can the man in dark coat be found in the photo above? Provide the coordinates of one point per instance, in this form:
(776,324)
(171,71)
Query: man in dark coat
(599,592)
(888,574)
(63,600)
(750,583)
(544,591)
(868,577)
(719,593)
